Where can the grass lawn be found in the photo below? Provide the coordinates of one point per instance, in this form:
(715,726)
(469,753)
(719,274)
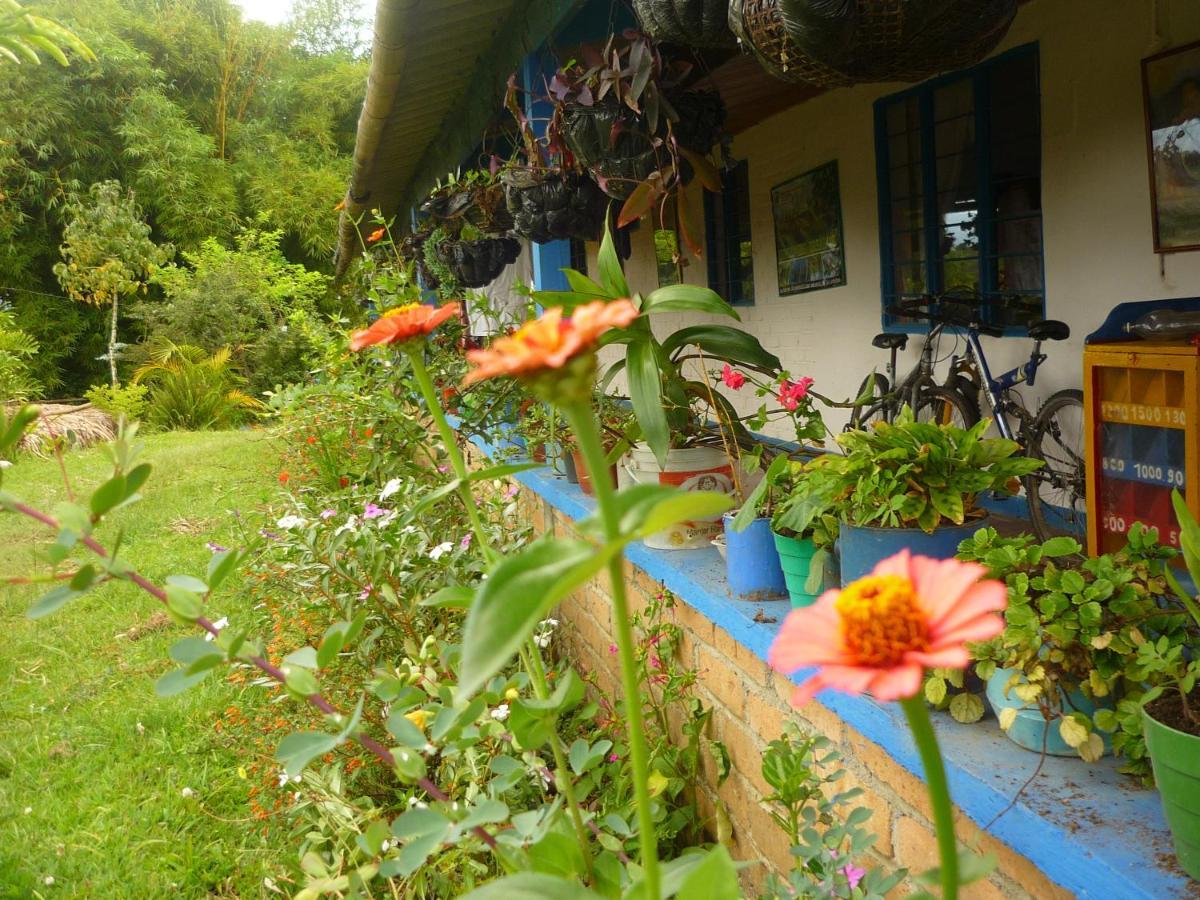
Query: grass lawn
(93,765)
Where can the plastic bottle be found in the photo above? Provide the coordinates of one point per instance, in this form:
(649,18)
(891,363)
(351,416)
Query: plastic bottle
(1166,325)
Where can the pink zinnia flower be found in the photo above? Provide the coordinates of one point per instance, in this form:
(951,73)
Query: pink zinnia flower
(733,378)
(880,633)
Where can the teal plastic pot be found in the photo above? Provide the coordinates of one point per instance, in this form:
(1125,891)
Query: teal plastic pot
(1030,729)
(862,547)
(795,558)
(1175,756)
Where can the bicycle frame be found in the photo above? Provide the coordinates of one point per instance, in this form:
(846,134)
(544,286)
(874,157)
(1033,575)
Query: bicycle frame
(995,387)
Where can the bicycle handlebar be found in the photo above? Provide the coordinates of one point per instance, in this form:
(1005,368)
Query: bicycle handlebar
(920,308)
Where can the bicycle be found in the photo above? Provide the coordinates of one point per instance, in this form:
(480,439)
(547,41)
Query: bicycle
(1057,492)
(877,400)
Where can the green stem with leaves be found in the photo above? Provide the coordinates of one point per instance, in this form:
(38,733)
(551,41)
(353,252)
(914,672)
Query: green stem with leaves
(457,464)
(583,423)
(921,726)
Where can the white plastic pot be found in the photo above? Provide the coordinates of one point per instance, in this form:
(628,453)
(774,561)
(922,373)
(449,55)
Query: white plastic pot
(691,469)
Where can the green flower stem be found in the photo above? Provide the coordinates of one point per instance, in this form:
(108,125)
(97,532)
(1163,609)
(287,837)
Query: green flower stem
(532,658)
(917,714)
(457,464)
(582,422)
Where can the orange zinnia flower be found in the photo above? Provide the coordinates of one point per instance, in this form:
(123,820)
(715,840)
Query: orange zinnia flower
(549,341)
(881,632)
(341,205)
(376,235)
(402,324)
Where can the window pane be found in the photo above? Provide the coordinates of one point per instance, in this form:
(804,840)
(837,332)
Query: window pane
(1015,121)
(903,115)
(909,278)
(954,136)
(960,238)
(1017,273)
(954,206)
(906,182)
(908,214)
(1016,159)
(1023,235)
(954,99)
(1015,77)
(908,246)
(904,149)
(960,274)
(957,172)
(1018,310)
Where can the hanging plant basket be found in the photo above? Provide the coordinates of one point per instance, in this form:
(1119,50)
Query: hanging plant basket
(689,23)
(481,205)
(612,142)
(475,263)
(830,45)
(701,119)
(547,205)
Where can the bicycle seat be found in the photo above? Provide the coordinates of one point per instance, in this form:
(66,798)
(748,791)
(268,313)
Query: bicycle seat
(1050,330)
(890,341)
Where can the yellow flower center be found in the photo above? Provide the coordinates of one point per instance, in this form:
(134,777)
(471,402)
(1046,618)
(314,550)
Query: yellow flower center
(882,620)
(396,310)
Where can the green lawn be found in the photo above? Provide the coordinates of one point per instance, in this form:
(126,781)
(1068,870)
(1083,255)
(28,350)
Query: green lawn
(93,765)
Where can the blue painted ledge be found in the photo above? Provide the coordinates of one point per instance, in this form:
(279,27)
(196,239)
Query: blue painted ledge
(1087,827)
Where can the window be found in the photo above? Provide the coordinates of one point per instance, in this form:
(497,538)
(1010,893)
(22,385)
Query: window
(959,163)
(579,255)
(727,233)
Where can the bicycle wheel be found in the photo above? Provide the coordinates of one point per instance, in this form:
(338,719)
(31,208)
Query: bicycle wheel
(1057,492)
(870,404)
(943,406)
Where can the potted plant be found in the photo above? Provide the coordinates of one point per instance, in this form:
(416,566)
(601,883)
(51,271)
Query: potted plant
(1171,707)
(914,485)
(616,419)
(670,408)
(1072,630)
(475,197)
(461,256)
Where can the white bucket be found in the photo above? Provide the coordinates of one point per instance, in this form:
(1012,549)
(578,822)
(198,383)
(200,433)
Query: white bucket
(691,469)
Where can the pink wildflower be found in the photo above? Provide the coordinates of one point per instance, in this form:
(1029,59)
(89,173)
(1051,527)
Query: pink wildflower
(371,511)
(328,513)
(733,378)
(466,541)
(792,392)
(853,874)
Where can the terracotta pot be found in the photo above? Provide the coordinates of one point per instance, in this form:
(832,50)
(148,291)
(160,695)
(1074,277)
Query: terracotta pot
(585,479)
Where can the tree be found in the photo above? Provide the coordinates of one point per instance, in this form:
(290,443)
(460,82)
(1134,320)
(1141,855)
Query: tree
(107,253)
(327,27)
(23,34)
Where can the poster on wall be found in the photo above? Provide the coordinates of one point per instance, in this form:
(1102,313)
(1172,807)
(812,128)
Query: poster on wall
(808,231)
(1171,85)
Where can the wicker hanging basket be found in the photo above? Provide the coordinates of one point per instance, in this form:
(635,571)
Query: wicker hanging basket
(833,43)
(689,23)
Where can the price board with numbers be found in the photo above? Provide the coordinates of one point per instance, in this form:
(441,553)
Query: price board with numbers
(1140,401)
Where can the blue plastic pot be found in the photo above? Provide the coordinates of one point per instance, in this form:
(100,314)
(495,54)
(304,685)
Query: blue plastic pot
(861,547)
(752,563)
(1030,728)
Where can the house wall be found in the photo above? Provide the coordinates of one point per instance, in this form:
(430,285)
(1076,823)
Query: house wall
(1096,200)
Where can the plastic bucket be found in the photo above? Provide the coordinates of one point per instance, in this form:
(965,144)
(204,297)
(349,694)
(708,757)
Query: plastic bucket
(1030,728)
(861,547)
(1176,759)
(795,558)
(752,562)
(691,469)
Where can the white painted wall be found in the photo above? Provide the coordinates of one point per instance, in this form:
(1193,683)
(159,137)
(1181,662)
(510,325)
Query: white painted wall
(1095,199)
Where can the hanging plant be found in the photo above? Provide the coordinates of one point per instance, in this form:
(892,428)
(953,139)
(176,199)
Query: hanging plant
(475,197)
(468,259)
(689,23)
(550,205)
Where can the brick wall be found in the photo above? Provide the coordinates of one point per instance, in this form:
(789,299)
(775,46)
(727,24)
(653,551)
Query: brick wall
(750,706)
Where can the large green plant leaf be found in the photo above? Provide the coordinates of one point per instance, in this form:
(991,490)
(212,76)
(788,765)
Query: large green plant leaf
(726,344)
(683,297)
(532,886)
(646,395)
(612,277)
(516,596)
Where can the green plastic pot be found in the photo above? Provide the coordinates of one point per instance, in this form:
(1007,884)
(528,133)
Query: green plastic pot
(1176,759)
(795,557)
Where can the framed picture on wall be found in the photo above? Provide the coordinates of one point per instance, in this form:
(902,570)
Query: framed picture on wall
(1171,85)
(808,231)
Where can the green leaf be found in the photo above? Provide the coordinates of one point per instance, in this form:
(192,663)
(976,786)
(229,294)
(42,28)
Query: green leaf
(221,566)
(947,502)
(935,690)
(331,644)
(183,605)
(305,657)
(532,886)
(725,344)
(714,878)
(966,708)
(516,596)
(1061,546)
(300,748)
(646,395)
(404,731)
(177,681)
(581,284)
(612,277)
(12,429)
(454,596)
(300,681)
(53,600)
(135,478)
(108,495)
(684,297)
(493,472)
(188,583)
(645,509)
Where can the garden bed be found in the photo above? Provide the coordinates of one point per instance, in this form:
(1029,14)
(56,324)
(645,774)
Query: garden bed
(1075,828)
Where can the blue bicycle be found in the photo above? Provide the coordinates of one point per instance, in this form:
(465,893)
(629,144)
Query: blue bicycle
(1057,492)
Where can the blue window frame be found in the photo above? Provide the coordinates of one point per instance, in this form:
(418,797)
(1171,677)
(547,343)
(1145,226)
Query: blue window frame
(959,171)
(727,235)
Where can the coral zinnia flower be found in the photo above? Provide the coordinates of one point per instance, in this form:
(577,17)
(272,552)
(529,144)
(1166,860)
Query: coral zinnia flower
(376,235)
(403,323)
(549,341)
(882,632)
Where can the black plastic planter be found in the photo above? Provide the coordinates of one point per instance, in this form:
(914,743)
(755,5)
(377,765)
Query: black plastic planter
(476,263)
(551,206)
(619,164)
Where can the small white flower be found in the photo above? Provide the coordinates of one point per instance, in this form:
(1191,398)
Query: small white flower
(188,793)
(296,796)
(351,525)
(291,521)
(219,624)
(48,880)
(542,640)
(440,550)
(550,623)
(409,529)
(5,464)
(283,778)
(141,729)
(428,748)
(412,801)
(500,713)
(390,488)
(28,810)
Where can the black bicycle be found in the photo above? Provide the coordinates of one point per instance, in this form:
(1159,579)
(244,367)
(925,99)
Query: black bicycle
(1057,492)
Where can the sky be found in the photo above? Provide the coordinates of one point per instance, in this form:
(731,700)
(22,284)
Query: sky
(271,11)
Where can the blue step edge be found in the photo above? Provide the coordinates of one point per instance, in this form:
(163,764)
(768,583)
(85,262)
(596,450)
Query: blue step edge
(1087,827)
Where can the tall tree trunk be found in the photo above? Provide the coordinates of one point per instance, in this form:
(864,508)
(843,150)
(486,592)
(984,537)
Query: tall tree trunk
(112,342)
